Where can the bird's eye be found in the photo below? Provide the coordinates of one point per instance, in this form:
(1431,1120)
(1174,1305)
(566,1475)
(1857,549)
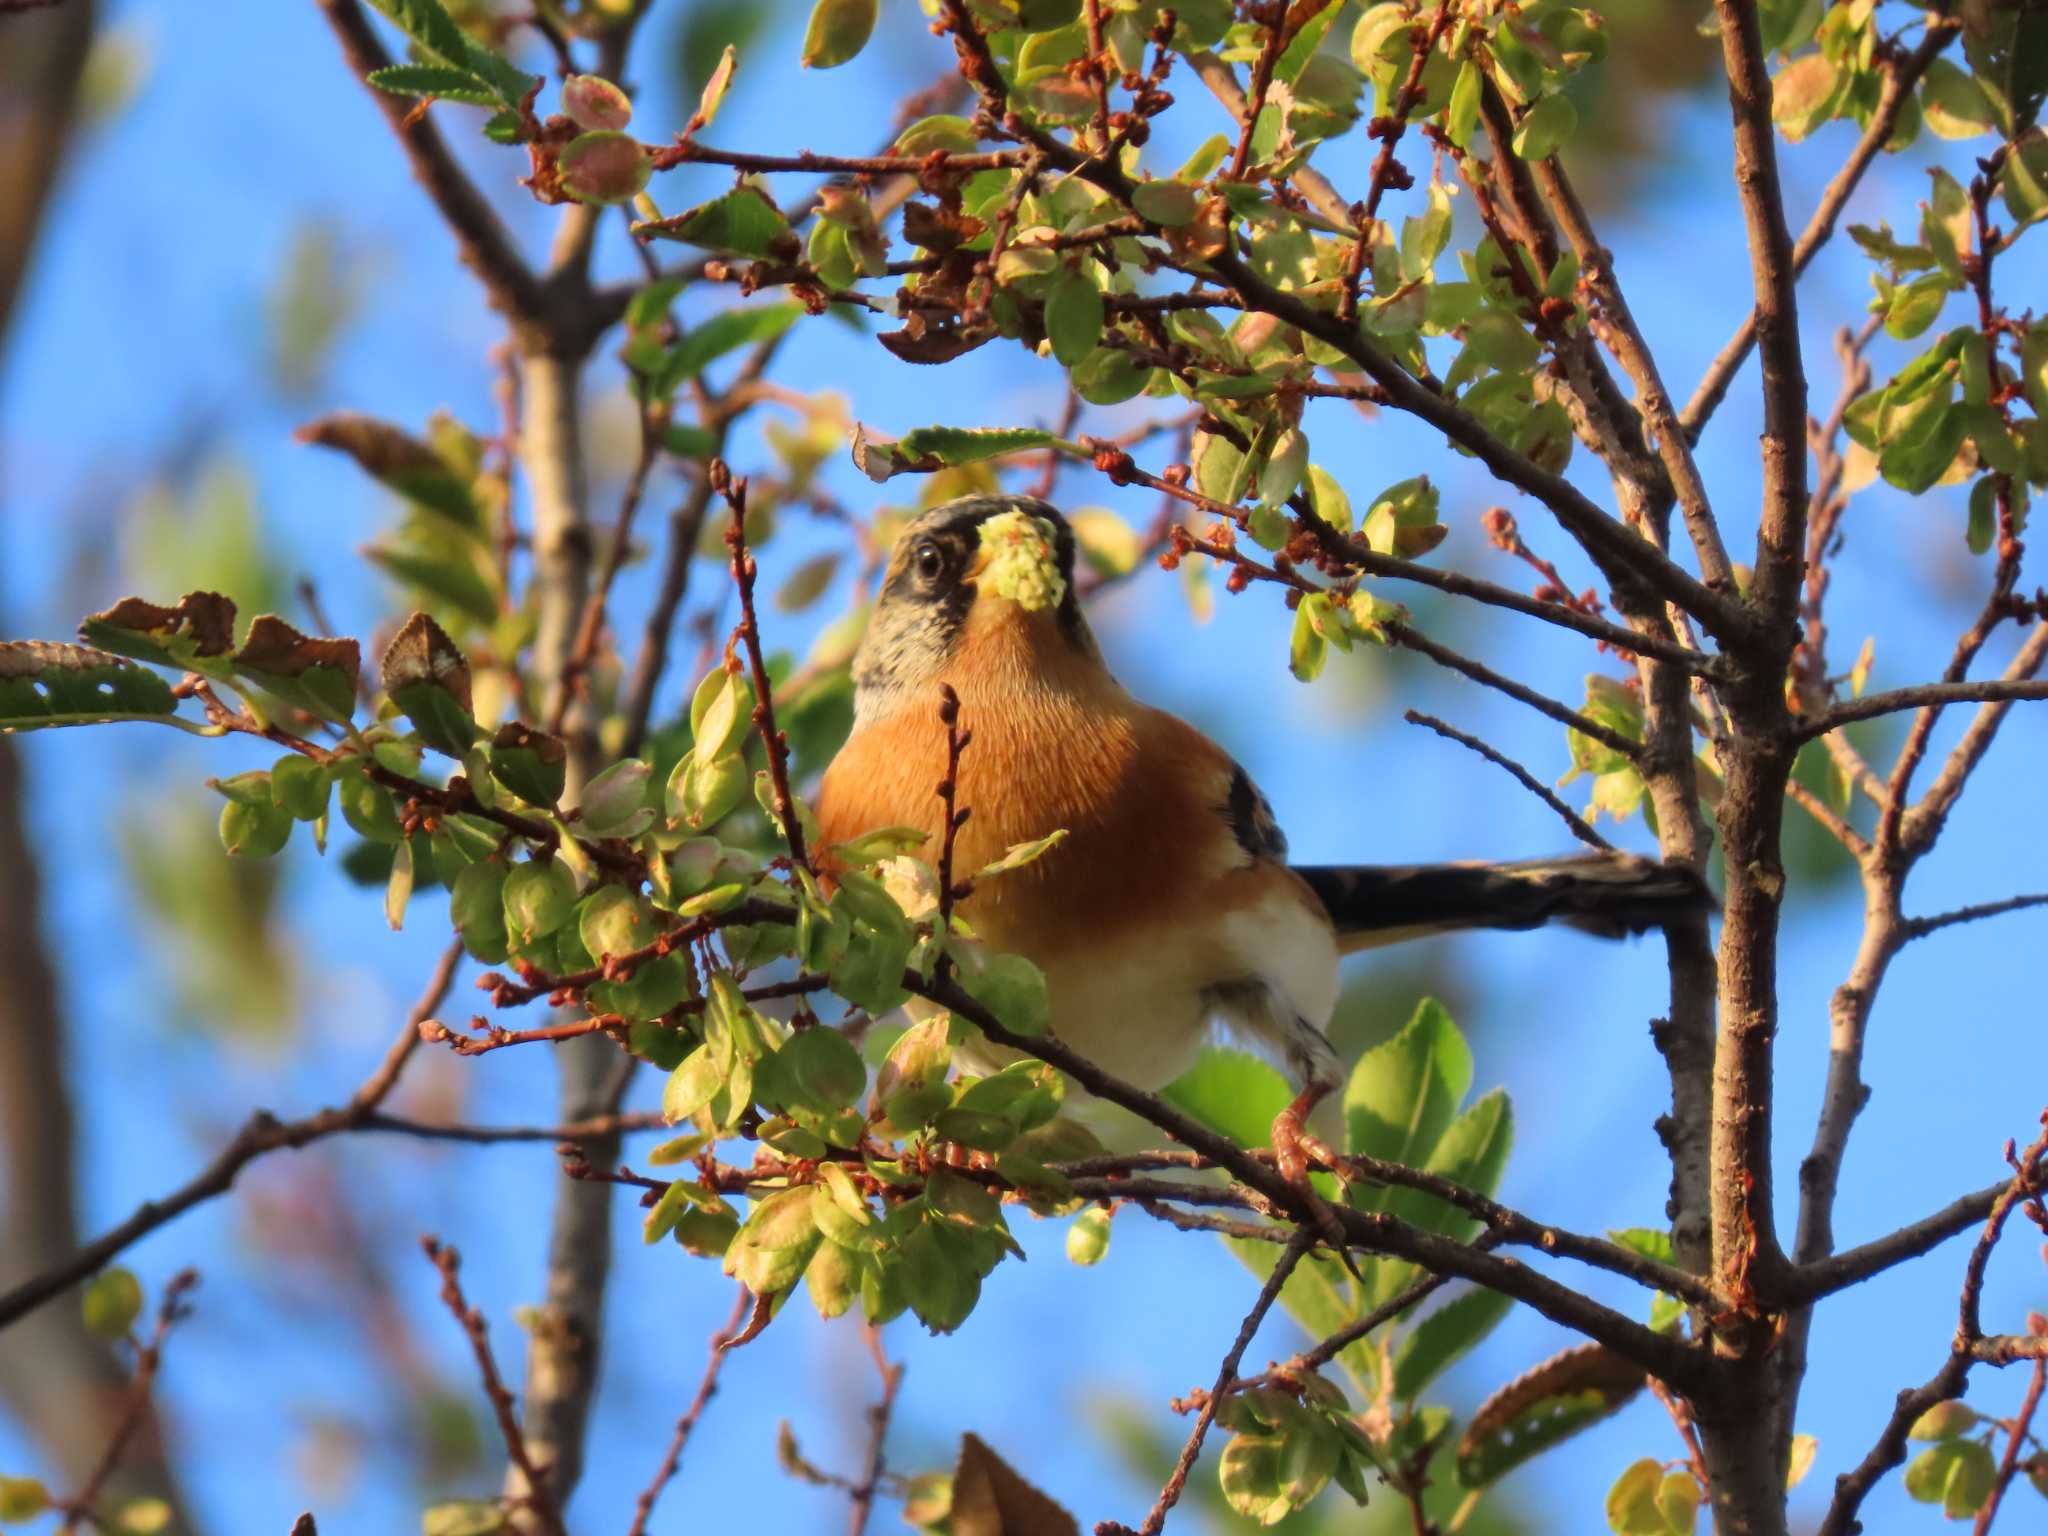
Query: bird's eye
(929,559)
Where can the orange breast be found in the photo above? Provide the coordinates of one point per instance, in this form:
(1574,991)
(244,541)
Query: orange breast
(1056,744)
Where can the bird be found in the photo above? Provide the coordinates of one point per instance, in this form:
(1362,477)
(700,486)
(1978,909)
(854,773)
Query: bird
(1169,905)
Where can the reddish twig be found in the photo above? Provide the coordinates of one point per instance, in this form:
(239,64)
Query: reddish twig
(448,1262)
(743,574)
(1386,170)
(1226,1376)
(2015,1436)
(948,791)
(707,1385)
(862,1494)
(135,1407)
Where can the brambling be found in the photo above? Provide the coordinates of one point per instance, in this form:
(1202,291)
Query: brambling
(1170,903)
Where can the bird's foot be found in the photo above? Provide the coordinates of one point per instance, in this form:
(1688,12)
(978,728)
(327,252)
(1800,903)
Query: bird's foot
(1295,1152)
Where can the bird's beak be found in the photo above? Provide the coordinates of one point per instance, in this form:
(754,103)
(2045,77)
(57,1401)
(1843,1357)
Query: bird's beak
(1018,559)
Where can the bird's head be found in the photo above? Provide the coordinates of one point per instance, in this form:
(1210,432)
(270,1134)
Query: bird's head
(982,571)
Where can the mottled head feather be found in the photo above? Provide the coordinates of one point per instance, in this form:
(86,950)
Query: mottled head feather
(927,595)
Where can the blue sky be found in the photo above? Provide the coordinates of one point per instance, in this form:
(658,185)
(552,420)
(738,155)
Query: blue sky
(141,346)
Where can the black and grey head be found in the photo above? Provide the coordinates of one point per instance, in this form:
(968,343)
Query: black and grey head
(930,589)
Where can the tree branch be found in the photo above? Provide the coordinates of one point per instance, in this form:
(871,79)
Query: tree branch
(1781,532)
(1892,98)
(263,1133)
(1580,829)
(1967,1350)
(643,1507)
(487,246)
(1675,1360)
(1993,690)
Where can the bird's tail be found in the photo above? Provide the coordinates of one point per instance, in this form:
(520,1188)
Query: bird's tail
(1611,895)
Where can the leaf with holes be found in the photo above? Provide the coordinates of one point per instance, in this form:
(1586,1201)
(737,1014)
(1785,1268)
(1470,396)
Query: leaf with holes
(49,683)
(1567,1393)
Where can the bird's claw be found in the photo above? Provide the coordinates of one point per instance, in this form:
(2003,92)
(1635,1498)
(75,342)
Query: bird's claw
(1295,1151)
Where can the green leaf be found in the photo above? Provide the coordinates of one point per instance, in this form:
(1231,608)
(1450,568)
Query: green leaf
(398,887)
(51,683)
(532,764)
(433,80)
(1251,1474)
(1404,1092)
(940,1287)
(1632,1508)
(465,1517)
(971,445)
(943,131)
(1441,1336)
(1545,128)
(538,897)
(1982,528)
(823,1066)
(1073,317)
(1473,1151)
(1944,1421)
(1804,94)
(2023,181)
(776,1243)
(691,1085)
(1009,986)
(252,829)
(1232,1092)
(1461,116)
(428,24)
(725,332)
(911,1085)
(111,1303)
(1956,1474)
(1308,648)
(476,908)
(1914,306)
(743,221)
(615,804)
(838,30)
(1169,204)
(22,1499)
(1564,1395)
(1953,104)
(1679,1497)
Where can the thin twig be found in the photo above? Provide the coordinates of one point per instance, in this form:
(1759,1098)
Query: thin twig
(487,246)
(262,1133)
(1892,98)
(1304,1238)
(873,1467)
(743,574)
(948,791)
(2015,1436)
(1852,1487)
(135,1406)
(643,1507)
(1580,828)
(448,1262)
(590,627)
(1920,927)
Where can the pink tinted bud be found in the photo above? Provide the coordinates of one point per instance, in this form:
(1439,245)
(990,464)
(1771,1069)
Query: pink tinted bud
(604,168)
(595,103)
